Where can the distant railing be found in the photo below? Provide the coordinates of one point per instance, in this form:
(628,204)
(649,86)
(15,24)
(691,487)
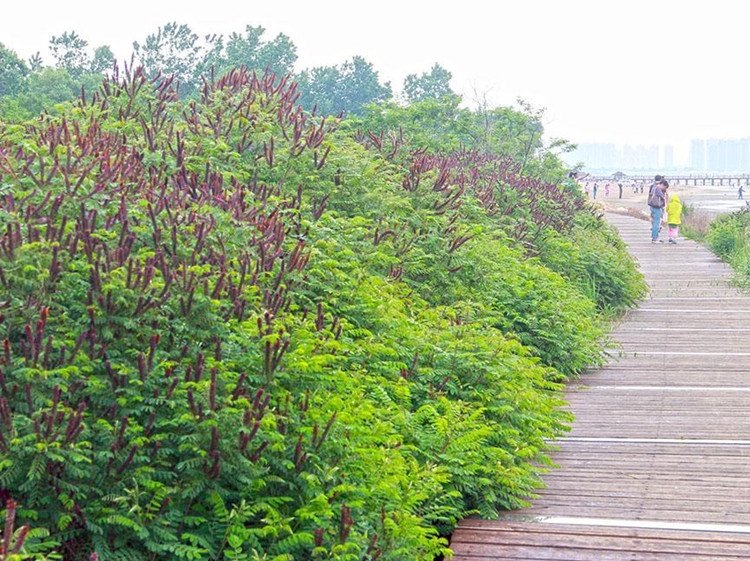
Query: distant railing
(730,180)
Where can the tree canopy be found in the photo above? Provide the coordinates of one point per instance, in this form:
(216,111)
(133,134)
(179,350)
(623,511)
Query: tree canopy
(433,84)
(69,52)
(346,88)
(13,72)
(248,49)
(174,50)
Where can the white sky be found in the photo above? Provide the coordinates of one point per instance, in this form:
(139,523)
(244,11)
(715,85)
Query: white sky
(636,71)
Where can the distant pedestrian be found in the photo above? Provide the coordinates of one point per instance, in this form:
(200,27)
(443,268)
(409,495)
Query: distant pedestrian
(635,188)
(740,193)
(606,189)
(643,185)
(674,217)
(657,200)
(619,186)
(596,188)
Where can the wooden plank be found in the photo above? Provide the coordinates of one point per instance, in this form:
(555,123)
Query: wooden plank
(662,434)
(647,512)
(511,524)
(597,552)
(586,540)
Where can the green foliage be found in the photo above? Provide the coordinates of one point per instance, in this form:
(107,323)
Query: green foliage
(24,92)
(347,88)
(69,52)
(441,124)
(437,124)
(518,133)
(13,72)
(728,234)
(729,237)
(174,50)
(435,84)
(594,258)
(46,90)
(233,331)
(548,315)
(278,55)
(103,60)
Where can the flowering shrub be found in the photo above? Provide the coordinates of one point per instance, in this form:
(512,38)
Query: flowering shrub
(233,331)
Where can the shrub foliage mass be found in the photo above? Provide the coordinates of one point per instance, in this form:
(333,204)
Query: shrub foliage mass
(234,330)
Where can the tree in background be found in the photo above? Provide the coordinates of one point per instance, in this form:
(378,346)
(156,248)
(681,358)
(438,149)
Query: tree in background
(69,52)
(434,113)
(13,72)
(441,123)
(360,85)
(319,86)
(434,84)
(211,59)
(27,90)
(173,50)
(519,133)
(346,88)
(431,123)
(278,55)
(103,61)
(44,90)
(176,50)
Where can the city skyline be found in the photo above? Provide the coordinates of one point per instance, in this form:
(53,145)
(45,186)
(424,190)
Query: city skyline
(701,155)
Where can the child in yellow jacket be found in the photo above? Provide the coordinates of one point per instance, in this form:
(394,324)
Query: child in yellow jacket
(674,217)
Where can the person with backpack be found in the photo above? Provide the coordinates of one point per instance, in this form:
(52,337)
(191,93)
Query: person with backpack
(657,181)
(657,200)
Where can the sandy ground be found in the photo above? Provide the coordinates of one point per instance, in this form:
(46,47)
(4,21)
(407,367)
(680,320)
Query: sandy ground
(713,199)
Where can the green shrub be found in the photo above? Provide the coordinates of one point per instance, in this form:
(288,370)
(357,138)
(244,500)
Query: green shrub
(729,237)
(728,234)
(232,331)
(594,258)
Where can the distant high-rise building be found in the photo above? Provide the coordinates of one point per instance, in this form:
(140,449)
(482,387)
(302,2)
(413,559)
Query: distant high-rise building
(698,155)
(728,155)
(668,160)
(609,158)
(630,159)
(595,155)
(720,154)
(715,155)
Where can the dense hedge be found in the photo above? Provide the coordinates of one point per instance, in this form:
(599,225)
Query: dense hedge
(233,330)
(729,237)
(593,257)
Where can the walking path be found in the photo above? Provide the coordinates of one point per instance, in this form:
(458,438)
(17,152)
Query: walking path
(657,465)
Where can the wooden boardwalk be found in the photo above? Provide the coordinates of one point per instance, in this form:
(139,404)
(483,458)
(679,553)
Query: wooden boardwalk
(657,465)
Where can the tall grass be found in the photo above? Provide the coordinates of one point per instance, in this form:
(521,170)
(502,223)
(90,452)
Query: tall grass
(695,222)
(729,237)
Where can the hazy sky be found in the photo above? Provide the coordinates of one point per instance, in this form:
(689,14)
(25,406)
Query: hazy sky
(636,71)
